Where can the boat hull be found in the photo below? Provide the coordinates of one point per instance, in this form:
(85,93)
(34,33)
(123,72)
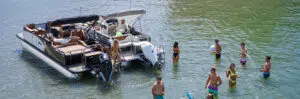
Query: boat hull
(41,55)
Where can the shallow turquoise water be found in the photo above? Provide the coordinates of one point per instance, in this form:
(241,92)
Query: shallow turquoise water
(268,27)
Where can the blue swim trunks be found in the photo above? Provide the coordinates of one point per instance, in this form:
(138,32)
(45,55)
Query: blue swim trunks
(266,74)
(158,97)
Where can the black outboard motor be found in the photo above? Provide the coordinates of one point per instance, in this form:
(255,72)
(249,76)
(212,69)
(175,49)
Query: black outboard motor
(105,67)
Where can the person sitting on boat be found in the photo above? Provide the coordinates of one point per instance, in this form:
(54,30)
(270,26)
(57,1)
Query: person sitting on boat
(79,32)
(122,27)
(115,54)
(37,31)
(30,28)
(62,41)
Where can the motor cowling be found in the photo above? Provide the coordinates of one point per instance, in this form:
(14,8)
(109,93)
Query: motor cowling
(105,67)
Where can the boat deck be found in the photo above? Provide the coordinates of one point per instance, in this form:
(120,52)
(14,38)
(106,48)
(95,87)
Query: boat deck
(74,49)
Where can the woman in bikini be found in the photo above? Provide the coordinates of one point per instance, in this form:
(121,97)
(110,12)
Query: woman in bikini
(231,74)
(176,52)
(115,54)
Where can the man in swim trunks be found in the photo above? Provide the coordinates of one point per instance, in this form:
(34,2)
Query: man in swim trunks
(232,75)
(267,67)
(176,52)
(214,80)
(158,89)
(218,49)
(243,54)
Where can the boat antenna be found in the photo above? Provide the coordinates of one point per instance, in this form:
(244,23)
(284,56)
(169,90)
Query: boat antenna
(130,3)
(141,25)
(80,8)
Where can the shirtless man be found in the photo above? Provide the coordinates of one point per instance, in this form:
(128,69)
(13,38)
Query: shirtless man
(218,49)
(243,54)
(214,80)
(79,33)
(158,89)
(267,67)
(65,41)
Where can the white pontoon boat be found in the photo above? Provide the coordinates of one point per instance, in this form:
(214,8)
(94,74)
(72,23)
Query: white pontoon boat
(134,45)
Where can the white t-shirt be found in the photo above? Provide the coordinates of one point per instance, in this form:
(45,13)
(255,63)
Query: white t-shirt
(122,28)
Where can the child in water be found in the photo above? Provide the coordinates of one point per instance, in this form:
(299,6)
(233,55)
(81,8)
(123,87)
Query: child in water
(243,54)
(218,49)
(176,52)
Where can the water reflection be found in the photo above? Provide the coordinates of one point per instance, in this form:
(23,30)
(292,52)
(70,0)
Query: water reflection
(175,70)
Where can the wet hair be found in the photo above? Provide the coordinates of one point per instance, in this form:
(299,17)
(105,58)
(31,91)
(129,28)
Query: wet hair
(175,44)
(232,64)
(268,57)
(216,40)
(243,44)
(158,78)
(214,69)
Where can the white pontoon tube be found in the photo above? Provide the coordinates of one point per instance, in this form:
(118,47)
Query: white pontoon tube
(46,59)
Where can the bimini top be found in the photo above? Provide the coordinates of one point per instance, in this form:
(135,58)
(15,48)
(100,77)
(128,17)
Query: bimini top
(80,19)
(130,16)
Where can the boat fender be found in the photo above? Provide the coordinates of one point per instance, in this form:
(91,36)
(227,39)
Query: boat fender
(212,48)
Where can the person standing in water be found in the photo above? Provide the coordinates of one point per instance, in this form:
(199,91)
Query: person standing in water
(267,67)
(115,54)
(176,52)
(218,49)
(243,54)
(214,81)
(158,89)
(232,75)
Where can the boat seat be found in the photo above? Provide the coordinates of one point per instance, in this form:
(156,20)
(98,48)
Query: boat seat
(120,38)
(129,38)
(111,30)
(74,49)
(123,45)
